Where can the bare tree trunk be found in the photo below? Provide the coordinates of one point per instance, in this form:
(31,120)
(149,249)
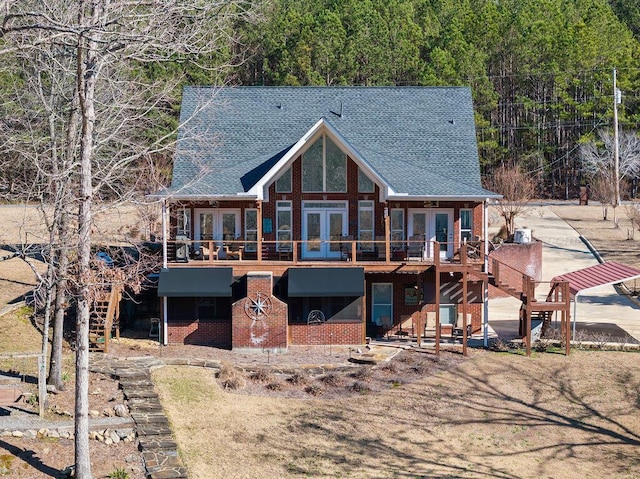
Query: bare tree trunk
(86,80)
(55,363)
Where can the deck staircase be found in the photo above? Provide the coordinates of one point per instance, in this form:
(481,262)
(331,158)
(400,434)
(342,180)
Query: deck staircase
(104,318)
(523,287)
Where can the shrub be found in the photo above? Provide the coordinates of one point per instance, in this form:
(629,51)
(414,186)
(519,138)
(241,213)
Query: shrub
(261,376)
(363,374)
(360,388)
(331,379)
(231,377)
(275,386)
(118,473)
(313,389)
(299,378)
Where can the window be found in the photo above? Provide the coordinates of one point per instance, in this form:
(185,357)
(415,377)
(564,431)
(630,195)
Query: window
(365,225)
(283,184)
(382,304)
(466,225)
(365,184)
(183,217)
(397,228)
(324,167)
(250,229)
(283,226)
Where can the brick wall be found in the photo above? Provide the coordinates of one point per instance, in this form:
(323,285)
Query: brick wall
(515,260)
(216,333)
(269,331)
(326,333)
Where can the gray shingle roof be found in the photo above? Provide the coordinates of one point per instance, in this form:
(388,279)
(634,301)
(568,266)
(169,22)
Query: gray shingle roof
(421,140)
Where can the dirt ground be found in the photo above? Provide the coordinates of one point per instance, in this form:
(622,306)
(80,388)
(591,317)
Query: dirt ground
(491,415)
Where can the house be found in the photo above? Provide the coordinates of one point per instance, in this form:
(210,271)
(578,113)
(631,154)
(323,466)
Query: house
(322,215)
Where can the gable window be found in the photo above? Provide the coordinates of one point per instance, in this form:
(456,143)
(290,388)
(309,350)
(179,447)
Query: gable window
(365,225)
(365,184)
(283,184)
(324,167)
(466,225)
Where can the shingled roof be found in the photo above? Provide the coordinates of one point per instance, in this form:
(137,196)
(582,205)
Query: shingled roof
(419,140)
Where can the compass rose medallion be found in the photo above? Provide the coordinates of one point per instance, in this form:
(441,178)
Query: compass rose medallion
(258,306)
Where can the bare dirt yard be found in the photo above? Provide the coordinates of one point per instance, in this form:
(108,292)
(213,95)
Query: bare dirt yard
(489,415)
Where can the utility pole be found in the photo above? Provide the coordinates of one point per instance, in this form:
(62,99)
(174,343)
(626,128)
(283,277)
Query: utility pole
(617,98)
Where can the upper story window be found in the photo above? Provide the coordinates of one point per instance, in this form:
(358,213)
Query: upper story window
(324,167)
(283,184)
(365,184)
(466,225)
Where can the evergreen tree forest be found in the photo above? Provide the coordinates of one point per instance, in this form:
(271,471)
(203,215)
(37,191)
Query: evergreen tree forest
(540,70)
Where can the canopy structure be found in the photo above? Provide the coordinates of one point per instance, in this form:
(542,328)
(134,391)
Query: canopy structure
(604,274)
(319,282)
(195,282)
(599,275)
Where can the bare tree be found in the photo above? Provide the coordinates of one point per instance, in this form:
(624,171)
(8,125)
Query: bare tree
(598,160)
(517,190)
(108,41)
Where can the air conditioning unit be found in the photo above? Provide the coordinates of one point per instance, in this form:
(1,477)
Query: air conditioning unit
(522,235)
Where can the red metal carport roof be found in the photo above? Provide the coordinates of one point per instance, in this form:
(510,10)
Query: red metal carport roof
(598,275)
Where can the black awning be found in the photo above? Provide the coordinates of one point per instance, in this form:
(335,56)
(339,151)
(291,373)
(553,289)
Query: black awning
(195,282)
(315,282)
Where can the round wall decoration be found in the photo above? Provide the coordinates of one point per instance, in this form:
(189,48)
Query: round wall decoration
(258,306)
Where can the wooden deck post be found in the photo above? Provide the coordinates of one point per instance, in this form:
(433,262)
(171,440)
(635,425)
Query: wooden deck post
(387,235)
(437,311)
(464,311)
(259,235)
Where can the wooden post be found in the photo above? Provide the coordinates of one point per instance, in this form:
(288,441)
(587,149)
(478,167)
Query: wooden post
(527,326)
(437,311)
(387,236)
(419,316)
(259,237)
(464,311)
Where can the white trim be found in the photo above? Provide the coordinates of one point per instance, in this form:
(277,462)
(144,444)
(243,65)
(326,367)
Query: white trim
(260,189)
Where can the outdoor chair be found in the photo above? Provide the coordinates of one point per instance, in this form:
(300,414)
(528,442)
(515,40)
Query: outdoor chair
(415,247)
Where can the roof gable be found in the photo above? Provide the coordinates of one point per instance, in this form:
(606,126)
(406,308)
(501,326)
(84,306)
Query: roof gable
(416,141)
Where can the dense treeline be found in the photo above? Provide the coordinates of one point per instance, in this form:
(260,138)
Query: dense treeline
(540,70)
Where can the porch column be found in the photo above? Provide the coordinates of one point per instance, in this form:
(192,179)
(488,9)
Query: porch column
(387,234)
(259,238)
(437,311)
(464,311)
(485,284)
(164,233)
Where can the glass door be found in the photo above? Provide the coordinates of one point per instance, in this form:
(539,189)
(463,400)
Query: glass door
(443,232)
(215,225)
(322,231)
(417,244)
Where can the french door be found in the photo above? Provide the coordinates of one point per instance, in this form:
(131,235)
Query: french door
(322,230)
(216,225)
(432,225)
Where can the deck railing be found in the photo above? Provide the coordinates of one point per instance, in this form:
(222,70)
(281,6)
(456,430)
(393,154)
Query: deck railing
(344,249)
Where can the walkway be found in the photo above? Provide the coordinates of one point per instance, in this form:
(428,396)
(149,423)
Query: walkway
(600,310)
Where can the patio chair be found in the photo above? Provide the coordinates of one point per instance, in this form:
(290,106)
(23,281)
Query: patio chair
(415,247)
(345,248)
